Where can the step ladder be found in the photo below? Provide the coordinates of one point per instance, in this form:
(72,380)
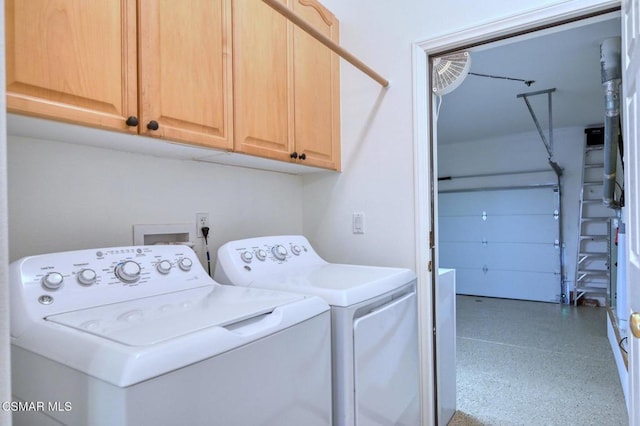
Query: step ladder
(593,266)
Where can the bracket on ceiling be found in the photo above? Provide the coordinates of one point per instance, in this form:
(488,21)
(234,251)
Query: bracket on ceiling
(547,141)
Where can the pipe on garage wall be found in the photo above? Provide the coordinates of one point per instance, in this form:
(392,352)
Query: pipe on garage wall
(611,73)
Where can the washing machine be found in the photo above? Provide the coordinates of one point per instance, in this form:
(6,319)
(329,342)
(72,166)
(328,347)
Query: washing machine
(374,322)
(143,336)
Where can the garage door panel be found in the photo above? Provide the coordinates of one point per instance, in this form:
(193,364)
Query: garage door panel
(505,256)
(533,228)
(530,228)
(542,287)
(508,257)
(466,255)
(522,257)
(461,228)
(498,202)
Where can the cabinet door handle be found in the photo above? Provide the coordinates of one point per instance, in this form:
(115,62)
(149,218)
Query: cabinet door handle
(153,125)
(294,155)
(132,121)
(303,156)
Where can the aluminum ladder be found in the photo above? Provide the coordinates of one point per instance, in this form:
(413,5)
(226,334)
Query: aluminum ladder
(593,263)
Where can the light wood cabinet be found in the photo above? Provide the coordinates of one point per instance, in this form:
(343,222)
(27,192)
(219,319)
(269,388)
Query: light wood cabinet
(228,74)
(79,61)
(72,60)
(185,71)
(316,88)
(286,85)
(263,102)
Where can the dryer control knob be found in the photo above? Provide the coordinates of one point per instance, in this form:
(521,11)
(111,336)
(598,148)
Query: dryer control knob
(279,252)
(246,256)
(128,271)
(295,250)
(87,277)
(53,280)
(185,264)
(261,255)
(164,267)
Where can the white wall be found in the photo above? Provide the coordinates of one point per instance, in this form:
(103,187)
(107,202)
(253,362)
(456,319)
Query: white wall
(520,152)
(65,196)
(5,374)
(377,140)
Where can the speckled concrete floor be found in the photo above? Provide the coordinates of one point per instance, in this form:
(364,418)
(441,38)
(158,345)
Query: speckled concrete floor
(530,363)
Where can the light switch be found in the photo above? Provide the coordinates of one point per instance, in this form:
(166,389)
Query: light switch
(358,223)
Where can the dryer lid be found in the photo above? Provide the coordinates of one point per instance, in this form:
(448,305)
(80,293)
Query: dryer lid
(156,319)
(339,284)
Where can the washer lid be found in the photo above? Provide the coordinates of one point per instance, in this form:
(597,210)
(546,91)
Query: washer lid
(338,284)
(151,320)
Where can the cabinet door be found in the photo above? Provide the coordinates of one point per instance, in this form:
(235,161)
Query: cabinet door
(317,88)
(72,60)
(262,81)
(185,70)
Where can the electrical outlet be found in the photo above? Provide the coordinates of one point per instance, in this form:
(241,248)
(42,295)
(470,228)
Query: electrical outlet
(202,220)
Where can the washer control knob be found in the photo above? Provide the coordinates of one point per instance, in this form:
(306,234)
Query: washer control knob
(279,252)
(246,256)
(295,250)
(164,267)
(261,255)
(128,271)
(87,277)
(53,280)
(185,264)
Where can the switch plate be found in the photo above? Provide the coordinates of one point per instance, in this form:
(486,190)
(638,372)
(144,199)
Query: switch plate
(202,220)
(358,223)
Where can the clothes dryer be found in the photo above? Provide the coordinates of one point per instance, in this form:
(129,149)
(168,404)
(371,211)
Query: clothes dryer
(374,322)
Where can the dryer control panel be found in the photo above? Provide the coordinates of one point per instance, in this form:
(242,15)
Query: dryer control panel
(254,258)
(61,282)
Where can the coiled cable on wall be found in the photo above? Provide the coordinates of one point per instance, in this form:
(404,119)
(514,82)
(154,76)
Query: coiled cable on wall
(205,234)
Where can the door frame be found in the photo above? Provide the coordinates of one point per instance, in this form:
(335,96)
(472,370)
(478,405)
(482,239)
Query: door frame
(425,160)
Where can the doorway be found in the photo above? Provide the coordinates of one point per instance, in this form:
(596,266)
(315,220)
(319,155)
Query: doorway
(492,38)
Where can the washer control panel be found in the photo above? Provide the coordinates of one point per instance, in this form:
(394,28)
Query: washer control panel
(263,256)
(60,282)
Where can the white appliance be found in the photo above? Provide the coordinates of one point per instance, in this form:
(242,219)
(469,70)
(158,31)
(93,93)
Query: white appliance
(143,336)
(446,345)
(374,323)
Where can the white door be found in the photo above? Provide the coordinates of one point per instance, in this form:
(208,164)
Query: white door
(631,127)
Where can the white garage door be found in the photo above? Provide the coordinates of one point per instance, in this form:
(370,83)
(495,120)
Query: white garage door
(502,243)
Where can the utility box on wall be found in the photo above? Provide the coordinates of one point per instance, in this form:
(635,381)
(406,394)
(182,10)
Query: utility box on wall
(595,136)
(180,233)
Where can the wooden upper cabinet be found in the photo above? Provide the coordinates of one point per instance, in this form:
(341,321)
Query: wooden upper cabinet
(72,60)
(286,85)
(262,79)
(316,88)
(99,62)
(185,71)
(228,74)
